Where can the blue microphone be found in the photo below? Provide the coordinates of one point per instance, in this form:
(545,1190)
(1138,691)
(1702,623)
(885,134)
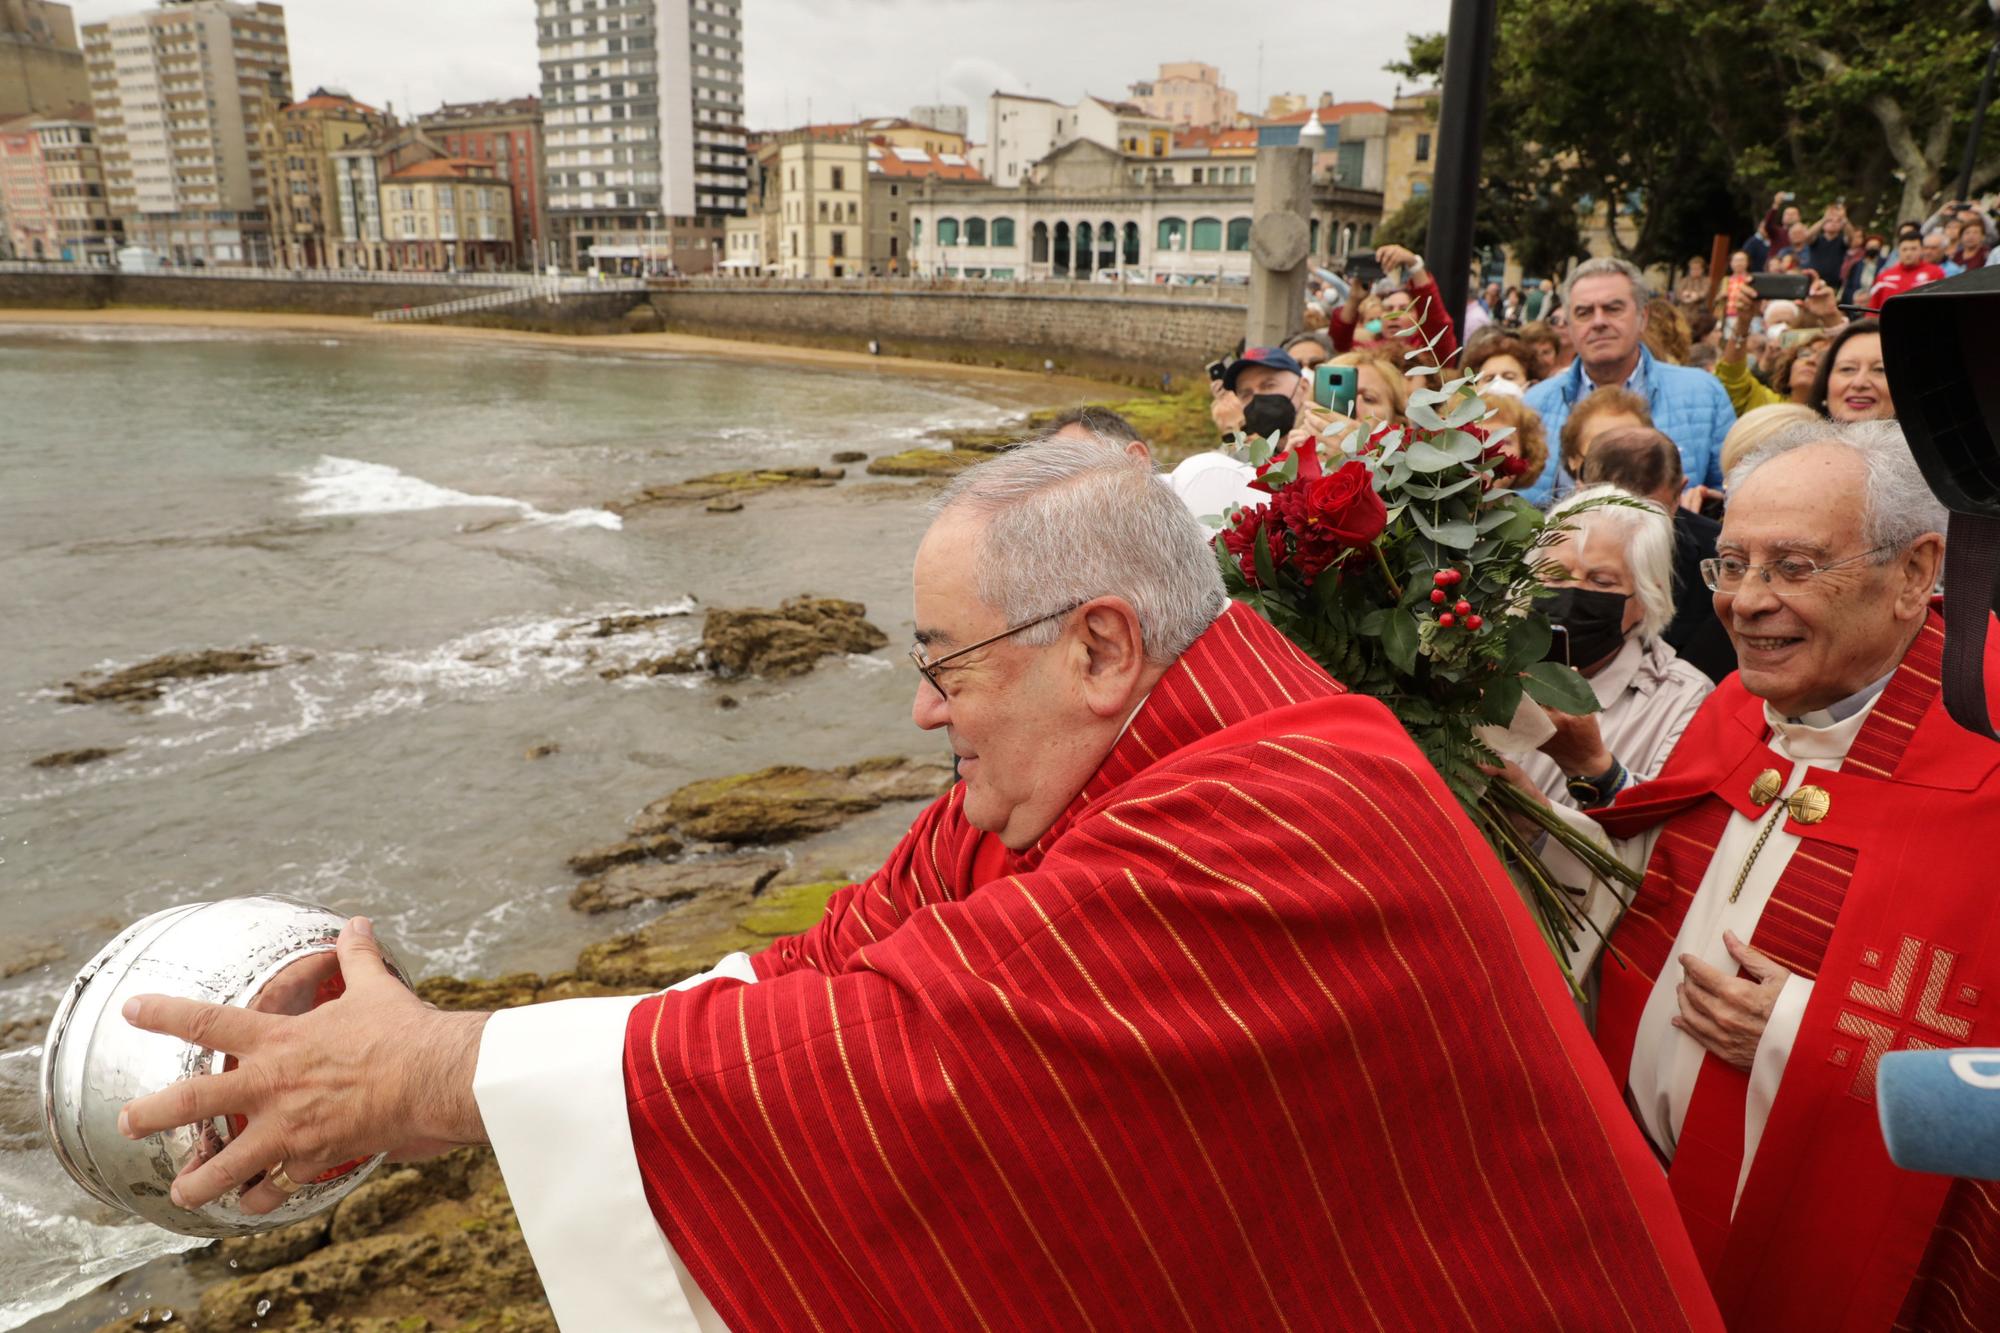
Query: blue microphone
(1941,1110)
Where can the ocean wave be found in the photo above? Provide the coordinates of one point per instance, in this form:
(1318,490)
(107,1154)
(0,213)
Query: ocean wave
(341,487)
(328,689)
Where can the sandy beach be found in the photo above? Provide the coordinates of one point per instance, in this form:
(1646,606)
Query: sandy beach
(1052,388)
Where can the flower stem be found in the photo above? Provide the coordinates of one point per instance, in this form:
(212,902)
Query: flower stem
(1395,588)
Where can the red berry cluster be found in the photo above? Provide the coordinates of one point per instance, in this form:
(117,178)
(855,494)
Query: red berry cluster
(1460,610)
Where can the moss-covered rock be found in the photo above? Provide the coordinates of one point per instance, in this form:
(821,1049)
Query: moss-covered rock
(790,909)
(786,802)
(757,641)
(148,680)
(714,485)
(664,882)
(926,462)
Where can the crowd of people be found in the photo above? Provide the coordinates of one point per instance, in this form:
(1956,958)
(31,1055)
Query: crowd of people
(1747,580)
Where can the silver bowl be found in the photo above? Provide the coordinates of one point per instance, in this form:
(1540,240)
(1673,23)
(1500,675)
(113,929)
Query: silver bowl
(264,953)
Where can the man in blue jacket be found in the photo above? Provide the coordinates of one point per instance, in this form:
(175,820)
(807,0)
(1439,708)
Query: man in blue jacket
(1606,301)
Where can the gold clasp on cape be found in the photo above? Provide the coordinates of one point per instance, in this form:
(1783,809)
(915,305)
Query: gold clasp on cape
(1766,788)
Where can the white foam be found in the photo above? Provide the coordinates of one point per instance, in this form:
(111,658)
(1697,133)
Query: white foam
(337,487)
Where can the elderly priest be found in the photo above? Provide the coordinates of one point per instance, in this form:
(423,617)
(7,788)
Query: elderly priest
(1818,890)
(1197,1004)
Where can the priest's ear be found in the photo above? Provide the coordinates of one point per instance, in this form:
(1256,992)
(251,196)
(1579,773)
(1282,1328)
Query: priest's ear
(1112,652)
(1919,570)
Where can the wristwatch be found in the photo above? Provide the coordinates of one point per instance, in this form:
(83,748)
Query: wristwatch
(1590,793)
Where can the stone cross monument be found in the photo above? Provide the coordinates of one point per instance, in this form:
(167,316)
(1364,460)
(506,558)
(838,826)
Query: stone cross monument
(1280,238)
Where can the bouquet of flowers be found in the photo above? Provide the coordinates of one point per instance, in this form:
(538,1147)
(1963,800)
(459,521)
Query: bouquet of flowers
(1396,561)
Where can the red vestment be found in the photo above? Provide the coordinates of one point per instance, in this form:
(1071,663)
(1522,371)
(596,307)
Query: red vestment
(1258,1036)
(1887,907)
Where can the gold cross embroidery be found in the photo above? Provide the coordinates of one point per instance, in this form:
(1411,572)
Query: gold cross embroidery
(1876,1035)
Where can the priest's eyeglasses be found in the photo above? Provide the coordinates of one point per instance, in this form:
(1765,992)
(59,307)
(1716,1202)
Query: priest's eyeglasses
(1787,576)
(929,666)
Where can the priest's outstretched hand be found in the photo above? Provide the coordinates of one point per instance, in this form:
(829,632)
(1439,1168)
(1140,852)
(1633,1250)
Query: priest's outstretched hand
(375,1070)
(1727,1014)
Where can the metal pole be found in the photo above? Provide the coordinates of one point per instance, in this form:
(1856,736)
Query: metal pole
(1979,118)
(1468,71)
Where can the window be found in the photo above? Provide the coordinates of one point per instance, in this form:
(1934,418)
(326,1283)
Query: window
(892,246)
(1423,148)
(1038,244)
(947,231)
(1173,234)
(1207,233)
(839,244)
(975,231)
(822,210)
(839,178)
(1003,231)
(1131,244)
(916,232)
(1239,233)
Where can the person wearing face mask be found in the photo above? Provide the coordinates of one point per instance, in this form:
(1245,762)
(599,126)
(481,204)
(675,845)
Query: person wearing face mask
(1613,576)
(1262,391)
(1852,384)
(1413,310)
(1503,357)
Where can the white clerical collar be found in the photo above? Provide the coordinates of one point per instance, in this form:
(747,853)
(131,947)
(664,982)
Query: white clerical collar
(1826,733)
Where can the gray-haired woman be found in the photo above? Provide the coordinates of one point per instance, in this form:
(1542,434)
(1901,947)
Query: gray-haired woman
(1615,598)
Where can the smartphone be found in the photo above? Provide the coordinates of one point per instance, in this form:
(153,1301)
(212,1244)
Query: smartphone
(1333,387)
(1558,645)
(1217,369)
(1363,270)
(1788,196)
(1780,286)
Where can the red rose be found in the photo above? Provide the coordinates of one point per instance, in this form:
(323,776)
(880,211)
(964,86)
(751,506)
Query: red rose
(1506,462)
(1344,508)
(1240,540)
(1307,453)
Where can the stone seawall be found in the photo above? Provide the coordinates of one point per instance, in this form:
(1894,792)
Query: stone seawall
(1132,335)
(586,313)
(1135,335)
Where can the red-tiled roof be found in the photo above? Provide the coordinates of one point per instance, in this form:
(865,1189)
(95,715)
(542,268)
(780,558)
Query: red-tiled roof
(324,102)
(916,163)
(447,168)
(1327,114)
(1214,139)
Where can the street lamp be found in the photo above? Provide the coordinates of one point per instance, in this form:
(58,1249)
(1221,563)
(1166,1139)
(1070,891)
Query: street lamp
(1979,109)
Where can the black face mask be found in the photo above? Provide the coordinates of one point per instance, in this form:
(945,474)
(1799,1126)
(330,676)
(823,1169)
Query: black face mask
(1594,619)
(1267,412)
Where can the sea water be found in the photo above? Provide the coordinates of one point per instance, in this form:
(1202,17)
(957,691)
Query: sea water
(417,529)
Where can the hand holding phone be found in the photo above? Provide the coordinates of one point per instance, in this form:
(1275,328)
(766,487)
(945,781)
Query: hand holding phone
(1334,387)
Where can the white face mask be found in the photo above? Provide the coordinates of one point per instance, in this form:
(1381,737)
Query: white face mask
(1503,388)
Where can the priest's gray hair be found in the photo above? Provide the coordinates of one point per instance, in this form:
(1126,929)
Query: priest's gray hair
(1896,506)
(1647,533)
(1070,519)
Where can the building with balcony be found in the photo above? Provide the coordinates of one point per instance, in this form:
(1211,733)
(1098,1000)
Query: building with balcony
(448,215)
(41,65)
(642,125)
(298,143)
(359,169)
(1021,131)
(179,93)
(509,135)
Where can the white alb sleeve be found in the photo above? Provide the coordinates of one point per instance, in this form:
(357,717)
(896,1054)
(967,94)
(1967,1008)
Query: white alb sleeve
(550,1084)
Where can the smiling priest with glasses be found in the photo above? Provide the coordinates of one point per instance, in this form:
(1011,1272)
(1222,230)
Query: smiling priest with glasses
(1196,1004)
(1818,890)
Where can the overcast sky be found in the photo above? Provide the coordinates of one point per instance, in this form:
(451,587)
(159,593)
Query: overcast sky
(844,58)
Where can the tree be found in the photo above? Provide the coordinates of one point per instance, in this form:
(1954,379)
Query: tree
(1857,99)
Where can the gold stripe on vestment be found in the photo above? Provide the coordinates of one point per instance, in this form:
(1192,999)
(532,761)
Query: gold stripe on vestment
(868,1120)
(1187,1120)
(1326,992)
(1277,1092)
(660,1071)
(1048,1067)
(1195,680)
(1430,1014)
(1251,648)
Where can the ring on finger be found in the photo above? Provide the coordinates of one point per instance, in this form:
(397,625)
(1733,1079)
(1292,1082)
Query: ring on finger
(278,1180)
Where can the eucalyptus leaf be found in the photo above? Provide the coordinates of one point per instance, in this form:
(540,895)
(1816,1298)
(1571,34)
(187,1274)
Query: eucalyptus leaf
(1466,412)
(1429,397)
(1455,533)
(1553,685)
(1213,522)
(1500,511)
(1442,492)
(1424,456)
(1424,416)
